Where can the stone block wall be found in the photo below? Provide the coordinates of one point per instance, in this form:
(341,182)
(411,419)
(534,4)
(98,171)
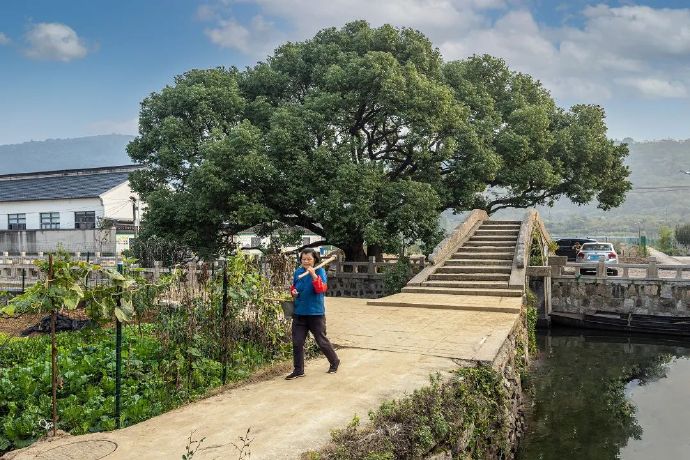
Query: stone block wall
(661,297)
(363,286)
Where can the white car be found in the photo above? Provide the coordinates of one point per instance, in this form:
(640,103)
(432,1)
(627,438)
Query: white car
(594,253)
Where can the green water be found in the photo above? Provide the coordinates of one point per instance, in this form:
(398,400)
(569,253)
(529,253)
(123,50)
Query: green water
(602,397)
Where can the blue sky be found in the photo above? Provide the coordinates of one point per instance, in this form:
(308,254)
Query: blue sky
(81,67)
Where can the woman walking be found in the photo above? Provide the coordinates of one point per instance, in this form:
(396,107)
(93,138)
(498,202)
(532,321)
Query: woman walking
(310,313)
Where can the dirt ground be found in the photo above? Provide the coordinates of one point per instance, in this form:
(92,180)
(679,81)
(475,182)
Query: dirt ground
(14,325)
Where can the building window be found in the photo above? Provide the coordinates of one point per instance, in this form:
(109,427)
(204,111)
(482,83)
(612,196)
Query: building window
(50,220)
(306,240)
(85,220)
(256,242)
(16,221)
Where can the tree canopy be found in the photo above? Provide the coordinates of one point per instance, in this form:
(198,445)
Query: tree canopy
(361,135)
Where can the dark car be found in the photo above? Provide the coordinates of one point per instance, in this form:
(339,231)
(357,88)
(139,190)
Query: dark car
(569,247)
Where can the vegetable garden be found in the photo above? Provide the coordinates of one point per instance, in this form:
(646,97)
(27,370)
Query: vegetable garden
(180,338)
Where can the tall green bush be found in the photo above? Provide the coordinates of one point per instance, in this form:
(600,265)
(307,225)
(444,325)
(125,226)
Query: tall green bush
(665,242)
(683,234)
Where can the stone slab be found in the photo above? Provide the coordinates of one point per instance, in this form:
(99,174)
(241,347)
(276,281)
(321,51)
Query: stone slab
(496,304)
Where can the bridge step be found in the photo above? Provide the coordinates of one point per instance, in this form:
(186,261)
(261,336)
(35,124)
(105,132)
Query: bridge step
(470,276)
(503,222)
(480,249)
(509,232)
(463,291)
(474,269)
(451,302)
(464,254)
(478,263)
(499,244)
(473,284)
(506,239)
(507,227)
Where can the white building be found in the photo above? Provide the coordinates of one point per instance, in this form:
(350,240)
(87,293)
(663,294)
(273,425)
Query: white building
(78,209)
(248,240)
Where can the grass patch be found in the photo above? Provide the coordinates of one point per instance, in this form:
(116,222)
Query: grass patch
(465,414)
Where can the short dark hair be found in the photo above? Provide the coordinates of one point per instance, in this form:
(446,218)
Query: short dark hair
(314,253)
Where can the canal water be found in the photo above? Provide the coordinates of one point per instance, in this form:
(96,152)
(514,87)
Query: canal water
(602,396)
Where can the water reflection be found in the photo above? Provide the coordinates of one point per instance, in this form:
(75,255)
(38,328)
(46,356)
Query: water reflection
(663,412)
(580,409)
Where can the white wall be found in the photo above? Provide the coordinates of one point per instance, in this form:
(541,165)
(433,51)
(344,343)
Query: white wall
(117,204)
(66,208)
(34,241)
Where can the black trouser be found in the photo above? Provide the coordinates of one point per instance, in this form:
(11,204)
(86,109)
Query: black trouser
(301,325)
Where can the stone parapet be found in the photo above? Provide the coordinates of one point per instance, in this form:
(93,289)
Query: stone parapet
(662,297)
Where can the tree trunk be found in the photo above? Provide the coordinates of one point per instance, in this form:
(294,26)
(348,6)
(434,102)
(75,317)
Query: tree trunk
(374,250)
(354,252)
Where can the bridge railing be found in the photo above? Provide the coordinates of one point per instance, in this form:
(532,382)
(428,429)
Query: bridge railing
(530,222)
(650,270)
(341,269)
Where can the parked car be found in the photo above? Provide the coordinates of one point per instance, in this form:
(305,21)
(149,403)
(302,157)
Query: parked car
(595,252)
(569,247)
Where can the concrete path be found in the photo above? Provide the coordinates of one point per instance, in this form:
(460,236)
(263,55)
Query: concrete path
(387,352)
(662,258)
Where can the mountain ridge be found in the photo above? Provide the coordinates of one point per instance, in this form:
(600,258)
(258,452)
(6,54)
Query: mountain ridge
(70,153)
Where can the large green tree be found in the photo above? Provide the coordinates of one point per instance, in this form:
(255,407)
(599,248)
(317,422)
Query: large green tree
(361,135)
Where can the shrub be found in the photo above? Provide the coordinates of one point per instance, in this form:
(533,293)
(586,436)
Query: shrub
(397,276)
(683,234)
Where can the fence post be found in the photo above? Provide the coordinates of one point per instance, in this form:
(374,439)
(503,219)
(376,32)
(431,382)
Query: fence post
(338,264)
(224,319)
(118,360)
(371,268)
(601,269)
(53,348)
(652,270)
(157,269)
(191,275)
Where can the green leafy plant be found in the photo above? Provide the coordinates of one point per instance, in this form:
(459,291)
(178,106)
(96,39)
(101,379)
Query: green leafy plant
(192,447)
(396,277)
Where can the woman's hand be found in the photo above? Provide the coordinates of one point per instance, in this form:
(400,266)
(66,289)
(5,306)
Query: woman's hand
(294,293)
(312,272)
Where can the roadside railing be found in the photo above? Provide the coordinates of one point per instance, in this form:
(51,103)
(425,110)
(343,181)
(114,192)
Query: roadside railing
(650,270)
(18,273)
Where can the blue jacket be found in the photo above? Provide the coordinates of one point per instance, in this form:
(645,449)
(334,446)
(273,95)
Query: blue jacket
(310,300)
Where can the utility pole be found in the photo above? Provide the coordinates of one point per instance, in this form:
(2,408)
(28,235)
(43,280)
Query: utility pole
(134,214)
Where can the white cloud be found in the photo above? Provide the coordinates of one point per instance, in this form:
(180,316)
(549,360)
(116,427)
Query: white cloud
(230,34)
(655,87)
(257,38)
(639,31)
(55,42)
(130,126)
(614,50)
(4,39)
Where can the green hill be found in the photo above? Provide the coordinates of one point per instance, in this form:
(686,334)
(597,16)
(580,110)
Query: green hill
(54,154)
(655,169)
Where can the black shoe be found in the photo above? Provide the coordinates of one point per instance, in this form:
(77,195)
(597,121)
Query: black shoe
(294,375)
(334,367)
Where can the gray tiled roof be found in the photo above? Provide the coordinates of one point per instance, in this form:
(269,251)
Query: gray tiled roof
(61,184)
